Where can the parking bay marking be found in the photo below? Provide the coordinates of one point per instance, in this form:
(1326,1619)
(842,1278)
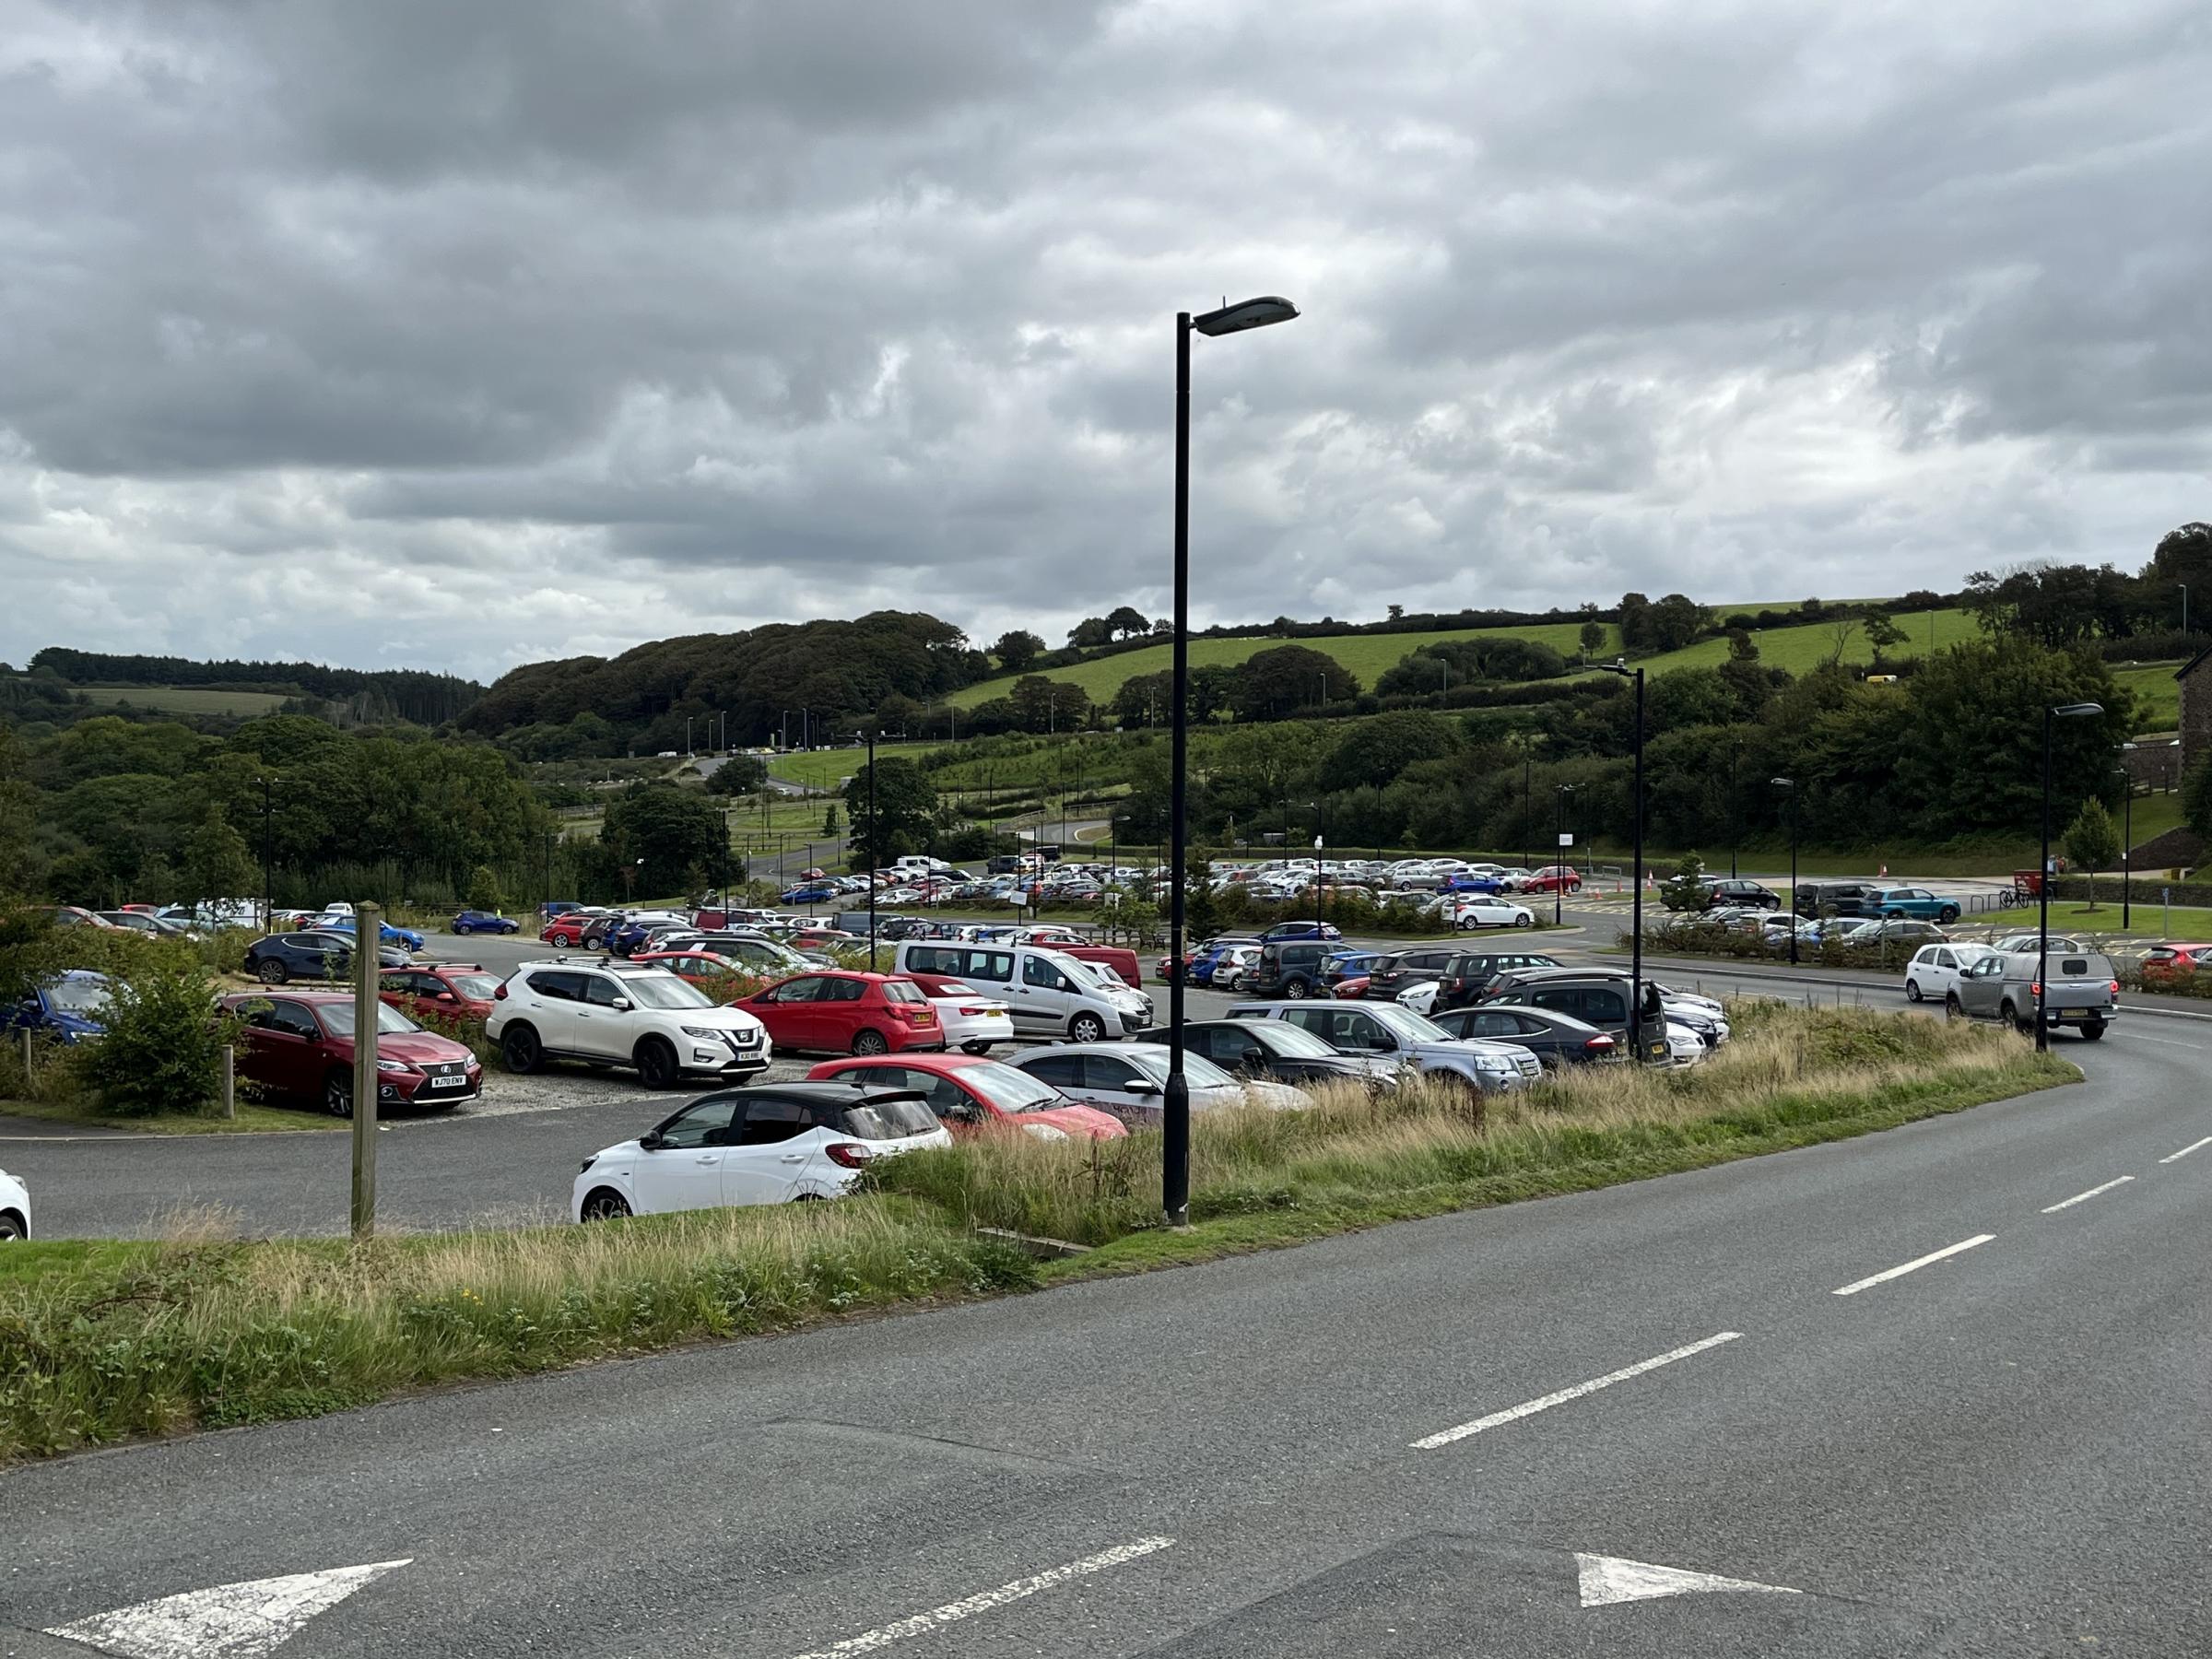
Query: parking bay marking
(1915,1264)
(968,1606)
(1530,1408)
(2192,1145)
(2053,1210)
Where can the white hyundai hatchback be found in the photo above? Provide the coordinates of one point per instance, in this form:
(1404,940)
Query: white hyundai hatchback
(14,1208)
(770,1144)
(1933,973)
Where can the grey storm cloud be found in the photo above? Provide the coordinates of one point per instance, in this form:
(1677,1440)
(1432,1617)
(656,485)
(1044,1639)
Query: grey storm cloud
(463,332)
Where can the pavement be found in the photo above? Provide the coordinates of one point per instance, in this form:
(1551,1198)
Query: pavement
(1939,1391)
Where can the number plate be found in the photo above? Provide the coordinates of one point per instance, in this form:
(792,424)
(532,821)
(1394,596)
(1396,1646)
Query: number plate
(449,1082)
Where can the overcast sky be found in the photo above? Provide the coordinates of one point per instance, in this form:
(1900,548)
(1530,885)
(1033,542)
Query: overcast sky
(460,333)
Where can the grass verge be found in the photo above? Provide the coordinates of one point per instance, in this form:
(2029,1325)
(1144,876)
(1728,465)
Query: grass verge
(251,1120)
(102,1342)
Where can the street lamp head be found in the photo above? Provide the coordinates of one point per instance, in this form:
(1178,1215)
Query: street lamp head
(1618,665)
(1244,314)
(2076,711)
(1783,783)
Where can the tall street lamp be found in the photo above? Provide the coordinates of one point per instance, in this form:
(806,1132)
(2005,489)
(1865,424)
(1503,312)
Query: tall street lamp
(1559,835)
(2080,710)
(2127,841)
(1620,665)
(1735,810)
(1320,835)
(874,845)
(1175,1099)
(1528,809)
(1789,788)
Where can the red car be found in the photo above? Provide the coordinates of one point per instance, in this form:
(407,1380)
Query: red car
(573,928)
(970,1094)
(298,1044)
(846,1014)
(1553,878)
(2164,963)
(1351,990)
(824,938)
(449,990)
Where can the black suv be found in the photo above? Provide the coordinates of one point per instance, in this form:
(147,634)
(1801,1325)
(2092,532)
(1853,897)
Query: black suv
(1471,972)
(1745,895)
(1410,968)
(1287,968)
(1836,897)
(1598,998)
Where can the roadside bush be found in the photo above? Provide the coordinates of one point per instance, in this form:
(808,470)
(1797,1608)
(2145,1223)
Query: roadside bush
(224,951)
(164,1045)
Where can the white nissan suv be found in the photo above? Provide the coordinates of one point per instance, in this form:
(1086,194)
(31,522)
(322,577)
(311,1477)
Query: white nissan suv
(614,1013)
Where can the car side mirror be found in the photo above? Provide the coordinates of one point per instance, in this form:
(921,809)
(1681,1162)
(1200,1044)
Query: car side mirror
(652,1140)
(1252,1057)
(1143,1089)
(1381,1045)
(445,996)
(620,1004)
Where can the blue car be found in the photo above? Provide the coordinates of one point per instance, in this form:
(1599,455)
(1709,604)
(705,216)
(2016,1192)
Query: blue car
(477,921)
(1340,965)
(1302,930)
(812,893)
(67,1008)
(385,933)
(1474,883)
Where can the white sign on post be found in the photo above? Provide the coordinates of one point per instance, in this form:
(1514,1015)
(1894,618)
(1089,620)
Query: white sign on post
(1567,838)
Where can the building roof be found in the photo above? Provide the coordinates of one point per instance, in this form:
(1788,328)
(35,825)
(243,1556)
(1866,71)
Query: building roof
(2194,663)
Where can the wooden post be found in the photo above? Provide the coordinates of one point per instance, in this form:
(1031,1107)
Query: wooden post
(27,1052)
(367,926)
(229,1082)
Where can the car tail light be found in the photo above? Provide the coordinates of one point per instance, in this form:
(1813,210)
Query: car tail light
(973,1013)
(1599,1043)
(849,1154)
(500,994)
(2035,988)
(2114,987)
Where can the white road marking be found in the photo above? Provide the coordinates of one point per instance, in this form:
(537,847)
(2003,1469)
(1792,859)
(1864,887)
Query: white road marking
(1916,1264)
(2168,1042)
(953,1612)
(1608,1580)
(2084,1198)
(2192,1145)
(231,1621)
(1530,1408)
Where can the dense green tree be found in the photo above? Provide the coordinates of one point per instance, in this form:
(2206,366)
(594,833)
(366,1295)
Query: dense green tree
(1273,682)
(1377,750)
(1127,622)
(1636,622)
(1675,621)
(1017,649)
(740,774)
(677,835)
(2092,842)
(217,863)
(903,818)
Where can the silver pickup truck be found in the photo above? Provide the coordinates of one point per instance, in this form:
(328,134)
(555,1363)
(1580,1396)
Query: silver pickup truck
(2082,992)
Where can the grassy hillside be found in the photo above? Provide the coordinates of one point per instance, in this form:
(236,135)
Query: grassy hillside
(825,768)
(1367,655)
(2157,695)
(1812,644)
(186,700)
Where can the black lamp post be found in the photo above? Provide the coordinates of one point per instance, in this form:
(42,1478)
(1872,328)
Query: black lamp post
(1736,811)
(544,909)
(2127,843)
(268,880)
(874,847)
(2042,928)
(1559,836)
(1320,836)
(1175,1099)
(1790,788)
(1528,810)
(1619,665)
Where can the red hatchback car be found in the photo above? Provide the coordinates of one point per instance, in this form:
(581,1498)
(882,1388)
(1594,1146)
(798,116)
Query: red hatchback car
(1554,878)
(298,1044)
(846,1014)
(449,990)
(970,1094)
(2162,964)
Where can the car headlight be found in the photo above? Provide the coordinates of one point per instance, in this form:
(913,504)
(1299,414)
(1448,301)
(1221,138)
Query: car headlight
(705,1033)
(588,1163)
(393,1065)
(1044,1131)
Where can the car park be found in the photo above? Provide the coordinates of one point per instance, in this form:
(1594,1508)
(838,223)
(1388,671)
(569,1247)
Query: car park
(70,1007)
(1933,973)
(1128,1079)
(1278,1051)
(14,1208)
(1554,1038)
(1402,1038)
(299,1045)
(973,1023)
(1049,992)
(1484,911)
(477,921)
(444,990)
(772,1144)
(970,1094)
(1915,902)
(846,1013)
(609,1013)
(2083,991)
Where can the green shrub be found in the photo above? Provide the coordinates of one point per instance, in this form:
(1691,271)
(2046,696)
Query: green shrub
(164,1046)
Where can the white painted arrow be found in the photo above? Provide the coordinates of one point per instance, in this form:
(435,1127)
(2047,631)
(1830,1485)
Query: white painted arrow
(1608,1579)
(231,1621)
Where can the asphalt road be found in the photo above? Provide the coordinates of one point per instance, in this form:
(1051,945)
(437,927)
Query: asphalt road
(1453,1437)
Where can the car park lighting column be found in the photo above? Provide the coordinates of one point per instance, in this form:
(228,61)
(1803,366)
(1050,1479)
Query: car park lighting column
(2042,996)
(1559,835)
(875,846)
(1620,665)
(367,980)
(1175,1099)
(2127,844)
(1790,788)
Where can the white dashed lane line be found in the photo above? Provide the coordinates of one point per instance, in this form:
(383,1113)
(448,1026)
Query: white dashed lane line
(2192,1145)
(1915,1264)
(2052,1209)
(1530,1408)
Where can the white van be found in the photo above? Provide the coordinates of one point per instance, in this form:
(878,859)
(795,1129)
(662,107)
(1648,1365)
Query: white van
(1050,994)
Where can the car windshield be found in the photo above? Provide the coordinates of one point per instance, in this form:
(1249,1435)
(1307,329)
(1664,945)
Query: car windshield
(476,987)
(1295,1041)
(1202,1072)
(1408,1024)
(664,991)
(337,1019)
(1079,972)
(1009,1089)
(79,996)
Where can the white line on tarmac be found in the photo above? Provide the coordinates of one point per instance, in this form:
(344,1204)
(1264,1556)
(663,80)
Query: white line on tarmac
(968,1608)
(2168,1042)
(1530,1408)
(2192,1145)
(2081,1197)
(1915,1264)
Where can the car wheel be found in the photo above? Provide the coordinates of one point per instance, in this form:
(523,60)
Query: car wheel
(975,1048)
(1911,990)
(1524,921)
(604,1204)
(10,1228)
(1952,1007)
(656,1064)
(337,1094)
(272,973)
(2011,1017)
(2093,1031)
(1949,914)
(519,1048)
(1086,1027)
(870,1043)
(1296,988)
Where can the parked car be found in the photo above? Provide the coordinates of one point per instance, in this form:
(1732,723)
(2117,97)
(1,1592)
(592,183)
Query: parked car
(1877,930)
(1933,973)
(620,1014)
(1486,911)
(144,922)
(1299,930)
(405,938)
(557,907)
(2032,942)
(1722,891)
(70,1007)
(278,958)
(847,1013)
(2084,992)
(1554,1038)
(1341,965)
(70,915)
(764,958)
(970,1094)
(770,1144)
(1553,878)
(582,927)
(1125,1079)
(1402,1038)
(1406,968)
(1049,992)
(1834,898)
(14,1208)
(1595,998)
(446,990)
(1466,974)
(1278,1051)
(477,921)
(299,1045)
(629,933)
(1916,902)
(2162,964)
(973,1023)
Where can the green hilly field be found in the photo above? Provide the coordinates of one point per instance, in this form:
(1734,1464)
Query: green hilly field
(186,700)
